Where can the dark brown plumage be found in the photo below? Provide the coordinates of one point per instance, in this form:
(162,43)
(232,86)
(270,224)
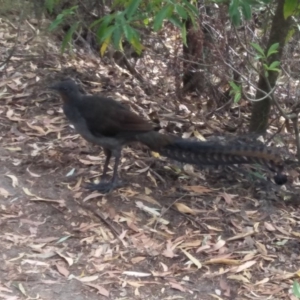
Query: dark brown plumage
(106,122)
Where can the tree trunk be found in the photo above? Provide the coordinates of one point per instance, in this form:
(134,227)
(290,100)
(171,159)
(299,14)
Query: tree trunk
(192,54)
(278,34)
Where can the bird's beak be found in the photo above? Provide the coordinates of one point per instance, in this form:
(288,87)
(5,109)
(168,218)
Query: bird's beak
(54,87)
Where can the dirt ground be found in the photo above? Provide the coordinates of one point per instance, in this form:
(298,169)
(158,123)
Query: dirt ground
(172,232)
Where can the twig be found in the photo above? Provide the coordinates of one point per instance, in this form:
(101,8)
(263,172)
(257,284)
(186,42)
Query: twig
(266,95)
(189,218)
(288,116)
(274,134)
(14,47)
(155,173)
(165,210)
(219,108)
(104,220)
(296,129)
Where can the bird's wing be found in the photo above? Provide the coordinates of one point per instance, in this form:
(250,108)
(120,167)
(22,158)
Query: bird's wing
(105,116)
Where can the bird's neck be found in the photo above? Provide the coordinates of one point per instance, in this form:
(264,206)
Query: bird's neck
(71,99)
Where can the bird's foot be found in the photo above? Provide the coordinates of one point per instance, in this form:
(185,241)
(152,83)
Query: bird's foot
(104,186)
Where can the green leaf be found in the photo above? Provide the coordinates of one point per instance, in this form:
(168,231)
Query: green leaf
(104,22)
(258,49)
(69,11)
(68,36)
(146,21)
(233,7)
(183,34)
(107,33)
(296,289)
(135,42)
(271,52)
(181,11)
(49,4)
(127,31)
(191,7)
(117,3)
(133,38)
(274,69)
(120,19)
(234,86)
(236,18)
(132,7)
(236,91)
(175,21)
(104,45)
(290,34)
(96,22)
(273,49)
(164,13)
(237,97)
(234,12)
(274,64)
(117,38)
(138,19)
(289,7)
(258,57)
(246,9)
(59,19)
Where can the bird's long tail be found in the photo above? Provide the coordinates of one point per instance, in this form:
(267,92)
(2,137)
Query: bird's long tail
(213,153)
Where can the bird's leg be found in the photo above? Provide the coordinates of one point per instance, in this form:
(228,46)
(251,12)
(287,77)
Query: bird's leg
(105,187)
(107,153)
(115,179)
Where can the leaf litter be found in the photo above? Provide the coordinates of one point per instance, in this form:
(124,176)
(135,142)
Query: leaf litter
(137,241)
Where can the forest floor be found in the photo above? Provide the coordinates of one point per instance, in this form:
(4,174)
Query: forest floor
(172,232)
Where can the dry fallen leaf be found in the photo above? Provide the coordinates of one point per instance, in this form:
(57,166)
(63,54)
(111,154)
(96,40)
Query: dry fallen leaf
(239,278)
(69,260)
(14,179)
(101,290)
(197,189)
(269,226)
(244,266)
(137,259)
(228,197)
(4,192)
(184,208)
(240,236)
(62,270)
(217,246)
(261,248)
(136,274)
(195,261)
(148,198)
(87,278)
(177,286)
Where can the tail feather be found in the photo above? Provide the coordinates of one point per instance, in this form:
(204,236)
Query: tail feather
(212,153)
(195,152)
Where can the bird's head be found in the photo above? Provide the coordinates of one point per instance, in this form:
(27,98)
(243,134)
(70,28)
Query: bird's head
(65,88)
